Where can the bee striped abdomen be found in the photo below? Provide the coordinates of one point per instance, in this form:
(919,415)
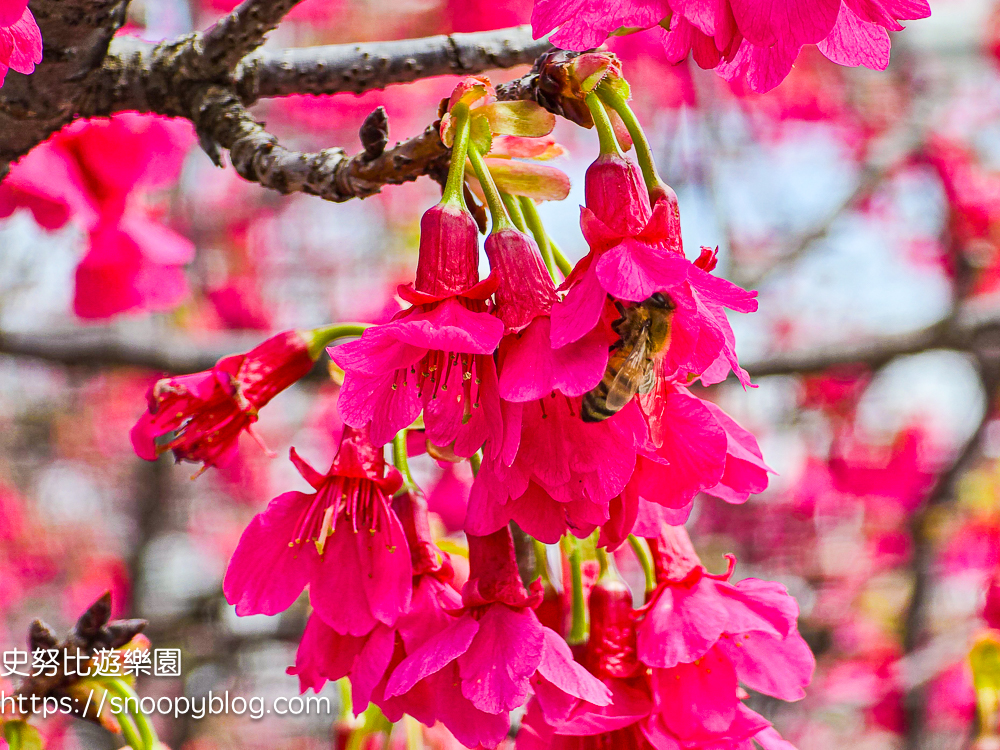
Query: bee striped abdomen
(594,407)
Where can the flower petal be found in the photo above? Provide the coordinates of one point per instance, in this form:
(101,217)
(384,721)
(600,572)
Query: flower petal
(446,646)
(268,571)
(502,657)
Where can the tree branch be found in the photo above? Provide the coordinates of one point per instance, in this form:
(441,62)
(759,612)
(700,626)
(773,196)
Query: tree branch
(93,346)
(200,77)
(236,35)
(357,68)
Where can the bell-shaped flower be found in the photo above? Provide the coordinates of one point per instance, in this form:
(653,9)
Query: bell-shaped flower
(692,705)
(435,356)
(324,654)
(488,653)
(201,416)
(554,472)
(750,625)
(694,446)
(631,266)
(343,540)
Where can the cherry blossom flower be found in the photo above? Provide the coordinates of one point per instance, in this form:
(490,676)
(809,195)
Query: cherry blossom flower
(91,172)
(201,416)
(636,252)
(20,38)
(324,654)
(491,648)
(750,625)
(747,40)
(344,541)
(693,705)
(554,472)
(435,355)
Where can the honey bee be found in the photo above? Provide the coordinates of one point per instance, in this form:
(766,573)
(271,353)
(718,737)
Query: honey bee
(644,334)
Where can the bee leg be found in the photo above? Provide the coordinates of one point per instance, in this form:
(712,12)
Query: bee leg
(615,345)
(620,308)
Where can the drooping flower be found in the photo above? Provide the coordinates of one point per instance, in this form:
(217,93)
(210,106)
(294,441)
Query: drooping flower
(553,473)
(490,650)
(344,541)
(631,268)
(690,706)
(436,355)
(324,654)
(748,40)
(693,446)
(201,416)
(20,38)
(750,625)
(556,473)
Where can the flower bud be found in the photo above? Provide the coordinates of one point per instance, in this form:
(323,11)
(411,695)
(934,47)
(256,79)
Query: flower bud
(617,195)
(525,288)
(611,650)
(448,263)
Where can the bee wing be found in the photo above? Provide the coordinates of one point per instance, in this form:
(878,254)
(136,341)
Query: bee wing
(631,374)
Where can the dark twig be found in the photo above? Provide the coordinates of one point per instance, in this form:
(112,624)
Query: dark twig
(240,32)
(330,174)
(93,631)
(357,68)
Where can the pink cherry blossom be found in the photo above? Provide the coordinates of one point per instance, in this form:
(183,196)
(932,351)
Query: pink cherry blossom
(492,648)
(694,615)
(749,40)
(555,473)
(201,416)
(639,254)
(20,38)
(344,541)
(324,654)
(436,355)
(694,705)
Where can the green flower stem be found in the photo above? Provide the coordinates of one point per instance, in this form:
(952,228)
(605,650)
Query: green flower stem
(606,133)
(645,560)
(534,224)
(129,733)
(643,152)
(402,462)
(345,699)
(542,562)
(373,721)
(127,694)
(414,734)
(475,461)
(12,733)
(578,628)
(562,262)
(493,199)
(602,560)
(513,207)
(320,338)
(453,188)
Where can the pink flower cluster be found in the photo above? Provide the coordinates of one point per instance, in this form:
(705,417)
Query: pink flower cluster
(575,405)
(674,666)
(753,41)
